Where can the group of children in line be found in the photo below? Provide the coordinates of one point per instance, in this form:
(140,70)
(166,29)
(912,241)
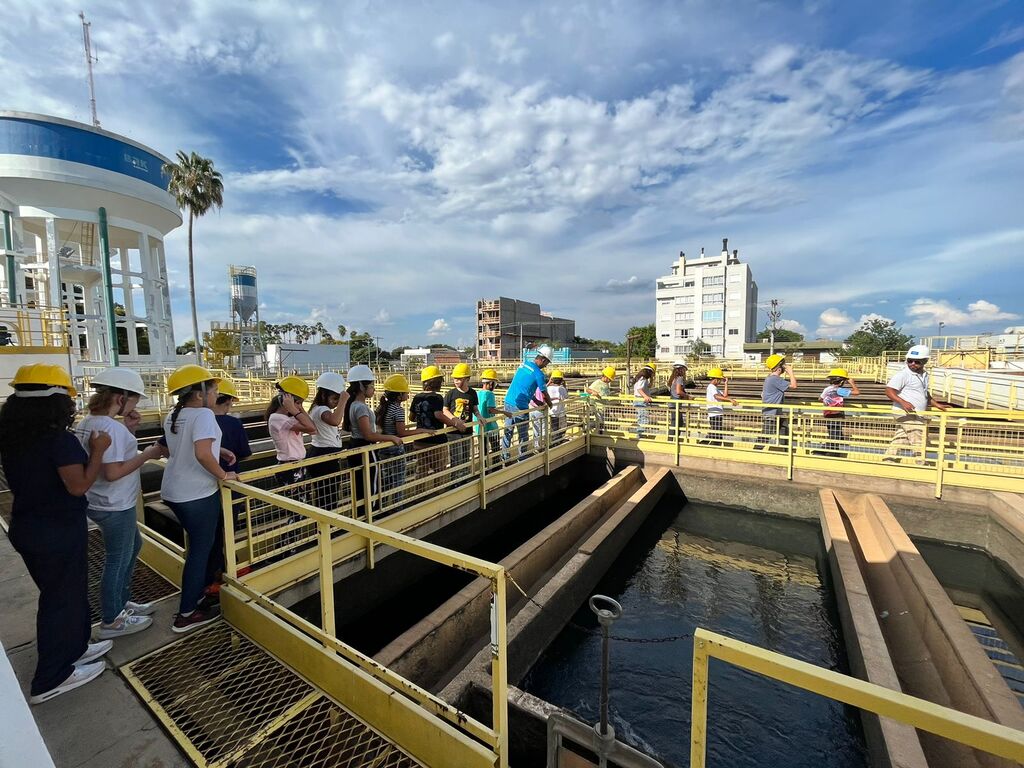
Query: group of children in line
(60,475)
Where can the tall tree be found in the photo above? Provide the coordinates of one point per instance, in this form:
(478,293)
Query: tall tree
(781,334)
(645,341)
(876,336)
(198,187)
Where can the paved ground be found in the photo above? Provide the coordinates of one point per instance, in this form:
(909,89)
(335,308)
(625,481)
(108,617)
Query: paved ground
(102,724)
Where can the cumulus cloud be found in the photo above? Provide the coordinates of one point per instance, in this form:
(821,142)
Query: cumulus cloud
(833,323)
(924,313)
(439,328)
(632,284)
(383,317)
(793,325)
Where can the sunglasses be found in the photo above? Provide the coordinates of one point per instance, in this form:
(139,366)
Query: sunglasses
(917,362)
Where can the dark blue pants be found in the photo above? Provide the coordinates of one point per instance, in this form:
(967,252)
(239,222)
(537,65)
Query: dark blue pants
(200,519)
(57,561)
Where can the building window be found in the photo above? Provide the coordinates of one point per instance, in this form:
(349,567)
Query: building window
(684,299)
(734,331)
(688,284)
(682,317)
(680,350)
(713,280)
(664,350)
(716,349)
(714,298)
(714,331)
(682,333)
(712,315)
(665,335)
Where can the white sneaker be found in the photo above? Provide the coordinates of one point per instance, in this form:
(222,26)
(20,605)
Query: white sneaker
(126,623)
(94,651)
(82,675)
(141,609)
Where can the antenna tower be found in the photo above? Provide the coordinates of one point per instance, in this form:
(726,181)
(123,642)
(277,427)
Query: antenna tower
(774,315)
(89,59)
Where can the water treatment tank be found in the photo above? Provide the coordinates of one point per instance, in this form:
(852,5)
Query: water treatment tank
(244,300)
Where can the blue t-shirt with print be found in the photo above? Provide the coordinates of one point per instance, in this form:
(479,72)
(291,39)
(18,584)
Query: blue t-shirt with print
(528,379)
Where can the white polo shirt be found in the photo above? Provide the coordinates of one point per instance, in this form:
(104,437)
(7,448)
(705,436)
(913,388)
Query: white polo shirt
(912,387)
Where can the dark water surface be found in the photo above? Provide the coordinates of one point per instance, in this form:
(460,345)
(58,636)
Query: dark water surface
(745,575)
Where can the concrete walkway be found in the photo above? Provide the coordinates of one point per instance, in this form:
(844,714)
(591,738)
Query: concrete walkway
(102,724)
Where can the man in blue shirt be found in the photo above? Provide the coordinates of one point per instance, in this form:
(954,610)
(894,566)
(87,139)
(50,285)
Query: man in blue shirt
(525,385)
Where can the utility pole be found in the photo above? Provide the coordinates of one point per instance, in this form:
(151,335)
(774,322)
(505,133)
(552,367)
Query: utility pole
(774,315)
(376,341)
(89,59)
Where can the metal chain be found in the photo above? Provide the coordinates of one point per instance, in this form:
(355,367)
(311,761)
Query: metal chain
(597,632)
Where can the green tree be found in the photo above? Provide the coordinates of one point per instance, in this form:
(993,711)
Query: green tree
(699,347)
(645,341)
(188,348)
(197,186)
(876,336)
(781,334)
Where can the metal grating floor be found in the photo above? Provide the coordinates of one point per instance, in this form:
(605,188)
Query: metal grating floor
(229,703)
(147,584)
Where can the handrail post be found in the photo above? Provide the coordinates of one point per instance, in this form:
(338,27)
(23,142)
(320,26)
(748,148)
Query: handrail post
(481,451)
(547,441)
(227,510)
(327,621)
(678,406)
(699,704)
(940,456)
(368,496)
(791,441)
(499,666)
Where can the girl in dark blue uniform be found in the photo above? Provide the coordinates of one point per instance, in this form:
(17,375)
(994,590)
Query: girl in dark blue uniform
(49,472)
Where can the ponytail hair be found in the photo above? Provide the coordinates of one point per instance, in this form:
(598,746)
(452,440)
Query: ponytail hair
(386,401)
(183,397)
(354,388)
(274,405)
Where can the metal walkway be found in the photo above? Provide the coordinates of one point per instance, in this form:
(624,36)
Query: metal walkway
(227,702)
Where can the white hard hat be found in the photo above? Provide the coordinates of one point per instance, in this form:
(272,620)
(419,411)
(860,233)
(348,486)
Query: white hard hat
(124,379)
(544,351)
(360,373)
(679,364)
(918,352)
(331,381)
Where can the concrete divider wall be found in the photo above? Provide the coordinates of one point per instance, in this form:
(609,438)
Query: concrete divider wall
(533,628)
(427,651)
(933,653)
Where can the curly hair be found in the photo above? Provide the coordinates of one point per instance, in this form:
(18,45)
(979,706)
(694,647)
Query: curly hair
(28,419)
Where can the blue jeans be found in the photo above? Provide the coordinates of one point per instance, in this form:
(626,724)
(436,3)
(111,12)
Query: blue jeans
(122,543)
(520,422)
(199,518)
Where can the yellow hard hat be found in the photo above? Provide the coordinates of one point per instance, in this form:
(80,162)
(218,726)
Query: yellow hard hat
(431,372)
(648,366)
(840,372)
(489,375)
(609,372)
(462,371)
(715,373)
(773,361)
(557,375)
(396,382)
(294,385)
(186,376)
(227,387)
(42,373)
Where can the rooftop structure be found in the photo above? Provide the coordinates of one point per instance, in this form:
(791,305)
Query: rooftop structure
(505,326)
(85,212)
(708,298)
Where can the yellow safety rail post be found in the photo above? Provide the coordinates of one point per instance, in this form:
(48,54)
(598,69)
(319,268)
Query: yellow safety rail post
(368,497)
(547,441)
(674,437)
(975,732)
(940,458)
(327,622)
(499,664)
(481,451)
(794,426)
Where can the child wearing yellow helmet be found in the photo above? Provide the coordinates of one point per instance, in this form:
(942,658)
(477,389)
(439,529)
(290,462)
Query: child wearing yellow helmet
(559,394)
(461,402)
(780,380)
(840,388)
(287,422)
(717,393)
(390,417)
(428,411)
(49,473)
(487,405)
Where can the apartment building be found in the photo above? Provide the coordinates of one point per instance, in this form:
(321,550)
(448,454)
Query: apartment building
(504,326)
(707,298)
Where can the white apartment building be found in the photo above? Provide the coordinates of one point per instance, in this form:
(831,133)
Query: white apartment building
(711,298)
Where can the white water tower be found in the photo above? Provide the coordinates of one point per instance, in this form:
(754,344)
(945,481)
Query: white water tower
(245,315)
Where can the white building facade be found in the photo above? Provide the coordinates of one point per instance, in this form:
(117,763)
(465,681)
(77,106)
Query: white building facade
(709,298)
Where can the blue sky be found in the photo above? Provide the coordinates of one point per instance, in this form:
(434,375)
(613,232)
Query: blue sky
(387,164)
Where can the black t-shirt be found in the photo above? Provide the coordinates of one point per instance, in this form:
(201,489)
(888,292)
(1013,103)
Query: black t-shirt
(461,404)
(233,438)
(422,410)
(41,499)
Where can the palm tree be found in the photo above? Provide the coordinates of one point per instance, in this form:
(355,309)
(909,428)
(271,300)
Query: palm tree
(197,186)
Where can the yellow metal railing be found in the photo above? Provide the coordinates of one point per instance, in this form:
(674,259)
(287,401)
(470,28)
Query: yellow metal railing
(975,732)
(464,735)
(26,329)
(966,448)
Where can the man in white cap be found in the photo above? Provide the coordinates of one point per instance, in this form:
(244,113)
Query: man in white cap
(908,390)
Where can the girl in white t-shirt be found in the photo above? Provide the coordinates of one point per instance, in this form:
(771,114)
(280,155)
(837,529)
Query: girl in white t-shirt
(717,393)
(559,394)
(113,496)
(327,411)
(190,486)
(642,397)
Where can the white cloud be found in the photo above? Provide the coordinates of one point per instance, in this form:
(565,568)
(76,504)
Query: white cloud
(439,328)
(383,317)
(793,325)
(632,284)
(1006,36)
(836,324)
(926,313)
(443,41)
